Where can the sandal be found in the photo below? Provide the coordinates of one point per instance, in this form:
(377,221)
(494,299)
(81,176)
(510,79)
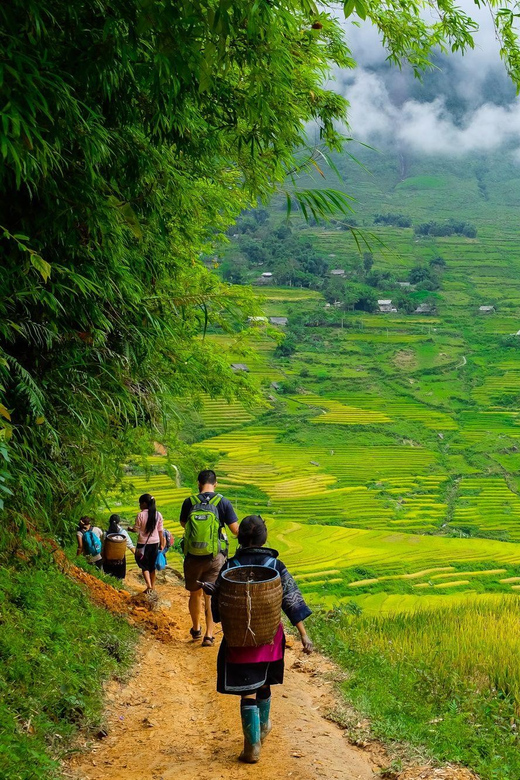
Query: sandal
(208,641)
(195,633)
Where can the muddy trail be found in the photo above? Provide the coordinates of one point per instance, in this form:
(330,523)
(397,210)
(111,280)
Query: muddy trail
(167,721)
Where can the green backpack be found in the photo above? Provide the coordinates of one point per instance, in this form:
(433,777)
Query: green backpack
(202,532)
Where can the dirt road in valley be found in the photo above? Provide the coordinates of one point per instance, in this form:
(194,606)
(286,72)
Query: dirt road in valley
(168,722)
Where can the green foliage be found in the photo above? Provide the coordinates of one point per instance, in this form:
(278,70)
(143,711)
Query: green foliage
(451,227)
(131,138)
(425,278)
(286,347)
(414,37)
(56,650)
(397,220)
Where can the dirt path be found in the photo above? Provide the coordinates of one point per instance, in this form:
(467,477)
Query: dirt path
(169,722)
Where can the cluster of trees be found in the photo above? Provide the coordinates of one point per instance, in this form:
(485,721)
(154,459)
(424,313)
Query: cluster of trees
(425,277)
(282,250)
(363,289)
(396,220)
(288,255)
(451,227)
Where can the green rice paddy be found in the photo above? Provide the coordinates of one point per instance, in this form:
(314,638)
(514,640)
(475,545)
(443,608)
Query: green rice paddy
(386,457)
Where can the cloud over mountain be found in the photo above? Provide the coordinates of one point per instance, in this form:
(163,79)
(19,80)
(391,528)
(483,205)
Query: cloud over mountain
(466,104)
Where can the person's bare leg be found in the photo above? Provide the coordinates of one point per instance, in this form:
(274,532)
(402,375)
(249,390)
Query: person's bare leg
(210,626)
(153,575)
(146,575)
(195,607)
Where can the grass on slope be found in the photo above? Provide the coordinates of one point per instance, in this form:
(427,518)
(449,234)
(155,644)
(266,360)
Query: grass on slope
(448,680)
(56,650)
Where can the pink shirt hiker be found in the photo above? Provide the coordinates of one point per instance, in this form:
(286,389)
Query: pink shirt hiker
(140,527)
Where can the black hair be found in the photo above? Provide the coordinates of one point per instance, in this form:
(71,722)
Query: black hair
(207,477)
(252,531)
(84,521)
(151,522)
(113,524)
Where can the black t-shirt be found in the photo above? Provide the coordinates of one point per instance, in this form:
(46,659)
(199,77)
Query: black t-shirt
(225,510)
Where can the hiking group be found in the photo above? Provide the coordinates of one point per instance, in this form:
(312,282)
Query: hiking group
(107,549)
(251,655)
(246,671)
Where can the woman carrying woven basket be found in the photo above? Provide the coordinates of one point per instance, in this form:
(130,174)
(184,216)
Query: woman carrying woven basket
(117,568)
(250,671)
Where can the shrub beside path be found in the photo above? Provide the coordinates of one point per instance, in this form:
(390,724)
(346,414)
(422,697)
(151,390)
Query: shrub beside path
(168,721)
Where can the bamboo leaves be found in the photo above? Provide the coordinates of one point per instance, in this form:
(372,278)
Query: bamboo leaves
(131,136)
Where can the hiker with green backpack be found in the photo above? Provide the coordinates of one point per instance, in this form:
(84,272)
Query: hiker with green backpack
(204,517)
(89,539)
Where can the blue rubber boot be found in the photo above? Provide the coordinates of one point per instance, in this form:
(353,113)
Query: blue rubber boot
(264,709)
(251,728)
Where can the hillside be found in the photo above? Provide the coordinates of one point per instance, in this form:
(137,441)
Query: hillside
(387,422)
(386,459)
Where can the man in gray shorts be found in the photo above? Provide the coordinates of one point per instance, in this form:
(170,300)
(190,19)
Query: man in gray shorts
(205,568)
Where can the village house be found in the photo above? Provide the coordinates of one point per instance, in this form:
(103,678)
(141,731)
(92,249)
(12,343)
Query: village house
(424,308)
(278,321)
(267,275)
(266,278)
(337,272)
(385,306)
(239,367)
(486,309)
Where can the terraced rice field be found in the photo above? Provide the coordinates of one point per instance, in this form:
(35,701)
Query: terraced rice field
(488,503)
(402,409)
(357,508)
(476,426)
(372,487)
(224,414)
(494,387)
(333,412)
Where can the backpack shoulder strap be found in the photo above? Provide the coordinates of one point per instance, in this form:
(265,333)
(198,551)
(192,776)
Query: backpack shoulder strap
(195,500)
(270,563)
(233,562)
(215,501)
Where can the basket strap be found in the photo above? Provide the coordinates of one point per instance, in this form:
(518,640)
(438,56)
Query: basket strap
(270,563)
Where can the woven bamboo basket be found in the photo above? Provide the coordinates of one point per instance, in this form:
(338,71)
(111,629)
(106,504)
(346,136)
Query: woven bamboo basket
(114,548)
(250,603)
